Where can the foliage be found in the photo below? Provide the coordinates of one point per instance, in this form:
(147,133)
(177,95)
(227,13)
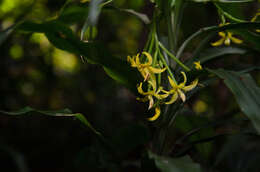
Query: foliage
(186,72)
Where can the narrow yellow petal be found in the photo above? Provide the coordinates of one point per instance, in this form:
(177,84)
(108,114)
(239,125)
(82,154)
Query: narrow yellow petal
(184,78)
(156,70)
(140,90)
(131,61)
(173,84)
(198,65)
(191,86)
(222,34)
(149,57)
(160,96)
(218,43)
(236,40)
(182,95)
(173,99)
(156,115)
(137,60)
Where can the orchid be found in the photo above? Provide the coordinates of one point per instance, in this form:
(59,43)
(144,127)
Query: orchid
(179,89)
(146,69)
(198,65)
(226,38)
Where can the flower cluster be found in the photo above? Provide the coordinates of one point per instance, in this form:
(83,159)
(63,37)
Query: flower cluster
(155,94)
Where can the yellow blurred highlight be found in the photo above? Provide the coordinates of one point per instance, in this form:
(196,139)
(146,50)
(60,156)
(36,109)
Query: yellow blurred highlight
(16,52)
(41,39)
(200,107)
(9,5)
(65,61)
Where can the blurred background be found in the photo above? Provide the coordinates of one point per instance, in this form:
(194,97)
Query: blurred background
(35,73)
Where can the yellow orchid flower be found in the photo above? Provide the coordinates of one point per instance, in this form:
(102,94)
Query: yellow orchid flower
(179,89)
(198,65)
(149,97)
(226,38)
(145,69)
(150,94)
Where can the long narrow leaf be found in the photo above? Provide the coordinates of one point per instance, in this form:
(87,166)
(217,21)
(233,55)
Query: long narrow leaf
(59,113)
(246,92)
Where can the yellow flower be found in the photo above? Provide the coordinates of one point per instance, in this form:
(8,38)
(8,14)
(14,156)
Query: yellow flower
(145,69)
(150,94)
(226,38)
(254,19)
(149,97)
(156,115)
(178,90)
(198,65)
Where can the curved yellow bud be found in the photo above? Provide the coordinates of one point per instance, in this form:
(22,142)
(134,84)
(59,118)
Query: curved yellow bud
(156,115)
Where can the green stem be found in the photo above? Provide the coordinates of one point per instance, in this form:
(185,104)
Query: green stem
(228,15)
(174,58)
(167,66)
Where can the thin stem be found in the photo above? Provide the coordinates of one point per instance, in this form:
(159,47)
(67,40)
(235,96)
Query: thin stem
(167,66)
(174,58)
(228,15)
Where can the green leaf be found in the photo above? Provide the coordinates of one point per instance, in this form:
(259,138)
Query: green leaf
(186,123)
(73,14)
(253,39)
(63,38)
(167,164)
(94,11)
(59,113)
(246,92)
(215,52)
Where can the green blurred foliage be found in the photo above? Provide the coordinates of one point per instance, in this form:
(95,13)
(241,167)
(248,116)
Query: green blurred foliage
(34,72)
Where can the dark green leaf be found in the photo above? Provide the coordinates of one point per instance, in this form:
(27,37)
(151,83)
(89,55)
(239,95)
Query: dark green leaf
(253,39)
(167,164)
(59,113)
(246,92)
(73,14)
(63,38)
(186,123)
(215,52)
